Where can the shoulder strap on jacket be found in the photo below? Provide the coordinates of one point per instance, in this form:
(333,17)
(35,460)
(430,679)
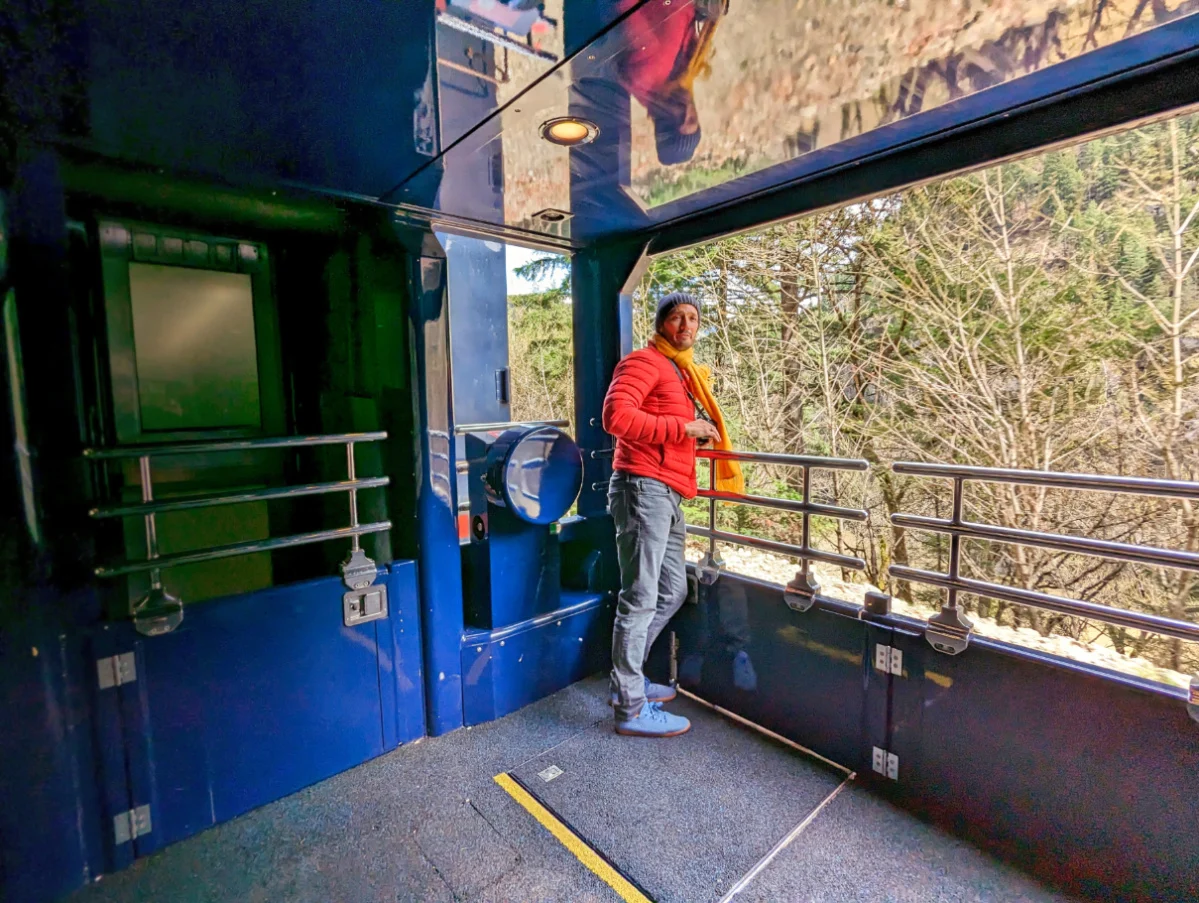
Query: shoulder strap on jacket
(700,413)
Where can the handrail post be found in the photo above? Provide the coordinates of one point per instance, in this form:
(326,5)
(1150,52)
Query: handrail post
(710,565)
(156,612)
(147,485)
(353,495)
(800,593)
(357,571)
(949,631)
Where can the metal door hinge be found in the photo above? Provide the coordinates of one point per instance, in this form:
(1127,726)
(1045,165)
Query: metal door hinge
(116,670)
(131,824)
(888,660)
(885,763)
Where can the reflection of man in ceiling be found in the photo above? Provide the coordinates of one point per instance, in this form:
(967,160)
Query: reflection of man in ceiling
(669,46)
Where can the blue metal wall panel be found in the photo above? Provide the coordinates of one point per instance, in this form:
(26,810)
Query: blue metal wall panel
(400,671)
(252,698)
(49,842)
(112,770)
(601,280)
(508,668)
(1083,776)
(801,675)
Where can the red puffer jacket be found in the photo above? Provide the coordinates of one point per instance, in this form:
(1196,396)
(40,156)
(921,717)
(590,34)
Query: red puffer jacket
(646,409)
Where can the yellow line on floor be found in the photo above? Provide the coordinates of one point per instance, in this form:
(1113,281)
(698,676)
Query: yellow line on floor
(572,842)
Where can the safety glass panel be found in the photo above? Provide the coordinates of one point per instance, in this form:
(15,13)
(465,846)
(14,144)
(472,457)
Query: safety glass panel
(679,97)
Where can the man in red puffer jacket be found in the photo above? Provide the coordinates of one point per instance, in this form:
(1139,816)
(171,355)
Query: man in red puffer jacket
(651,410)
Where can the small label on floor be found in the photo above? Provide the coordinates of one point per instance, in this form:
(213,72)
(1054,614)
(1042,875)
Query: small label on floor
(550,773)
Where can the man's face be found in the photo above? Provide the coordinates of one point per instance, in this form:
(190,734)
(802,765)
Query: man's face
(681,326)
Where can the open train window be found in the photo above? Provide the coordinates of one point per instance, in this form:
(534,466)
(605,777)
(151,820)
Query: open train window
(192,337)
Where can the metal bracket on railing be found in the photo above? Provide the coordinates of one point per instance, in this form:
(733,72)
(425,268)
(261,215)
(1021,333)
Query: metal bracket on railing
(1193,703)
(876,604)
(800,593)
(949,632)
(157,612)
(709,567)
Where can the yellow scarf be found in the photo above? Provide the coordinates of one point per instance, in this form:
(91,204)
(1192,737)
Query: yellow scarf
(728,473)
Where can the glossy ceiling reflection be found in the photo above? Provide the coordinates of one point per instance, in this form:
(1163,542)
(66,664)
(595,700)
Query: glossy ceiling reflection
(692,97)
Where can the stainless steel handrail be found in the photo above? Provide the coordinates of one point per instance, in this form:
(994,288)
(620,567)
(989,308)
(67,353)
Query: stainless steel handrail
(227,445)
(241,548)
(949,631)
(1118,616)
(160,612)
(815,462)
(801,591)
(1090,482)
(793,505)
(249,495)
(1098,548)
(462,429)
(779,548)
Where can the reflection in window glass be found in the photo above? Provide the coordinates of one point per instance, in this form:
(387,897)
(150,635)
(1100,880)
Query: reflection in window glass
(197,363)
(777,79)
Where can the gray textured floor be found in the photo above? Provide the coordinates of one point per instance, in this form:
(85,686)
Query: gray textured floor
(427,823)
(684,818)
(861,849)
(404,827)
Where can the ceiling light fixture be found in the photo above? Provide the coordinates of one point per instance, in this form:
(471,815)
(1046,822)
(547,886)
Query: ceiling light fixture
(569,131)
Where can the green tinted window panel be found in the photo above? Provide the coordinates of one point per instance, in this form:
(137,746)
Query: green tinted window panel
(195,351)
(192,335)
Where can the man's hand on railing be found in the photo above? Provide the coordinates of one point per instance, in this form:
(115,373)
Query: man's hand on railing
(703,430)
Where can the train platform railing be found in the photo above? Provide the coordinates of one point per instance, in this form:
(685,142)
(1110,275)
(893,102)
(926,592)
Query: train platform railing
(950,630)
(800,592)
(158,611)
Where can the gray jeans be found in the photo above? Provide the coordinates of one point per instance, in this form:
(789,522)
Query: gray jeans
(650,536)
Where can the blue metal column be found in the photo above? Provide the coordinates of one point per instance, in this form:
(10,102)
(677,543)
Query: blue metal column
(51,818)
(437,515)
(602,282)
